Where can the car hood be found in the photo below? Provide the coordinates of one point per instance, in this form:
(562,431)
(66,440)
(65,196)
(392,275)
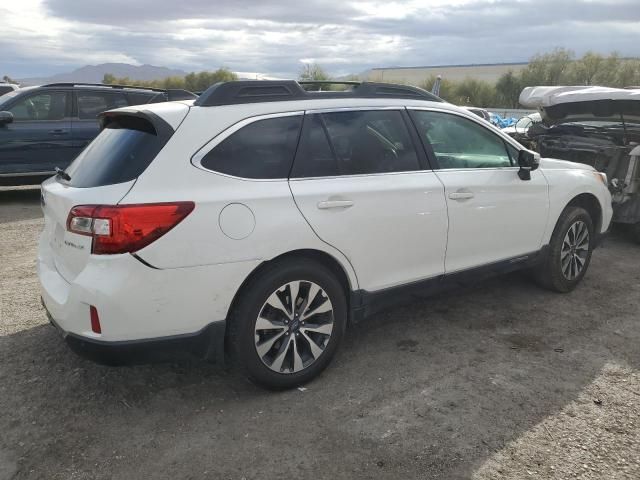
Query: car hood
(579,104)
(555,164)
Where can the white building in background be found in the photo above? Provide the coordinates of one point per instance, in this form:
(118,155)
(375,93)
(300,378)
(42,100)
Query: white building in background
(489,72)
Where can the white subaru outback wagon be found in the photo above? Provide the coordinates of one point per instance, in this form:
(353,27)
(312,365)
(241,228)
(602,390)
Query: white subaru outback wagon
(263,217)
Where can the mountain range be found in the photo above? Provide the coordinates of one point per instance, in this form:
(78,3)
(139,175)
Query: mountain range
(95,73)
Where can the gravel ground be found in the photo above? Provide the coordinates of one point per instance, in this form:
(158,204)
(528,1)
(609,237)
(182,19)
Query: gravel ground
(503,380)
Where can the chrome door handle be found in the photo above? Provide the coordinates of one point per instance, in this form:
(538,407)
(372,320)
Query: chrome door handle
(58,131)
(334,204)
(461,195)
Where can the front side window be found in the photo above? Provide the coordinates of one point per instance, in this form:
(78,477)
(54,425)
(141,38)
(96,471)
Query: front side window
(42,106)
(90,104)
(263,149)
(460,143)
(354,143)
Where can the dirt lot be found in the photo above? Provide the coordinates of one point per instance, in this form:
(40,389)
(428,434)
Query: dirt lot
(500,381)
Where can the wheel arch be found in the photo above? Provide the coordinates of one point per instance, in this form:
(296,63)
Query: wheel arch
(591,204)
(316,255)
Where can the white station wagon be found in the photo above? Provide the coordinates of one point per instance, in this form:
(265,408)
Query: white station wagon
(261,219)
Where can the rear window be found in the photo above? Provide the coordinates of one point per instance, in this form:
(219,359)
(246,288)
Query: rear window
(263,149)
(120,153)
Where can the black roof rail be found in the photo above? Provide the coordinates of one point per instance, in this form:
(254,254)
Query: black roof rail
(172,93)
(259,91)
(85,84)
(328,82)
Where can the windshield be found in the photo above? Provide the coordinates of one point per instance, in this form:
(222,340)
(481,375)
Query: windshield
(11,95)
(120,153)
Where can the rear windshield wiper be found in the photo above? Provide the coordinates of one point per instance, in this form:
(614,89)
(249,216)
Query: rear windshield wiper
(62,174)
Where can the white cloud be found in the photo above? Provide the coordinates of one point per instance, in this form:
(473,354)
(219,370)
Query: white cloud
(275,38)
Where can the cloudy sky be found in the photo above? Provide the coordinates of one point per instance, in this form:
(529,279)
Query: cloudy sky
(41,37)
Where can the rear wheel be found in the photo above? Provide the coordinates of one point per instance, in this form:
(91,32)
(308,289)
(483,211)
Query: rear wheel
(569,253)
(288,323)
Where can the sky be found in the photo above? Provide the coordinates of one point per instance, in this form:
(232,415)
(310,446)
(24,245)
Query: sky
(43,37)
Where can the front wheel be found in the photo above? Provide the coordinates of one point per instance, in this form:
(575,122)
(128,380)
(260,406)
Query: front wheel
(288,323)
(569,252)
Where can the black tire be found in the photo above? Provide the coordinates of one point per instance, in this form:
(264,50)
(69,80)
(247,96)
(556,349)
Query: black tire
(549,273)
(248,306)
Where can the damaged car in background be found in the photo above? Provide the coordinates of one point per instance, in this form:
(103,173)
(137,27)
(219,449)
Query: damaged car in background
(596,126)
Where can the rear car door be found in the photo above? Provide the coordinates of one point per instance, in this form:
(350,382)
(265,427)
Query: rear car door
(88,105)
(493,214)
(39,138)
(360,183)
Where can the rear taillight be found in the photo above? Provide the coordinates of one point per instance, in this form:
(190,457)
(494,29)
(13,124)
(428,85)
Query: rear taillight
(126,228)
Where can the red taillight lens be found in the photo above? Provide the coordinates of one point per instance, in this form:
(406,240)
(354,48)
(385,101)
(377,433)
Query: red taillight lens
(95,320)
(126,228)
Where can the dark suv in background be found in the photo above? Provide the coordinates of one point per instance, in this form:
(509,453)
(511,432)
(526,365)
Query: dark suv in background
(45,127)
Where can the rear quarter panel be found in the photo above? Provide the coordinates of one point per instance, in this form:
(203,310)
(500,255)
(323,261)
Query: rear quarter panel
(199,240)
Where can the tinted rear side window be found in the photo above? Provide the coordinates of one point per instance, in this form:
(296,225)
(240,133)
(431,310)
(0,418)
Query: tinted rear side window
(355,143)
(263,149)
(120,153)
(137,98)
(90,104)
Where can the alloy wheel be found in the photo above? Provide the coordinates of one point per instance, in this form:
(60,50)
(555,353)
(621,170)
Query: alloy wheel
(294,327)
(575,250)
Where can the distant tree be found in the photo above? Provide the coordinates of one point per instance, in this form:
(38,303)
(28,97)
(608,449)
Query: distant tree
(8,79)
(313,71)
(194,82)
(508,88)
(197,82)
(628,74)
(547,69)
(475,93)
(584,70)
(447,88)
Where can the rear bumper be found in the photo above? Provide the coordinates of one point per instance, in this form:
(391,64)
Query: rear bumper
(207,343)
(146,314)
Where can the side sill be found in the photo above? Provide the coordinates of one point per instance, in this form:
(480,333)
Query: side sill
(364,303)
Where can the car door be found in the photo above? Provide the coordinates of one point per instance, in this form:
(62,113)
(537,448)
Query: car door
(39,138)
(493,214)
(89,104)
(359,181)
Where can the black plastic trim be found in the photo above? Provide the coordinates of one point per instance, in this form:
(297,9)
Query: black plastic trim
(207,343)
(162,127)
(364,303)
(259,91)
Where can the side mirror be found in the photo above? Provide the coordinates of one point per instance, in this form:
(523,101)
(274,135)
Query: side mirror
(528,161)
(6,117)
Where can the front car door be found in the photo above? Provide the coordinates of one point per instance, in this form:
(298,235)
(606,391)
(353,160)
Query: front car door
(360,182)
(493,214)
(39,138)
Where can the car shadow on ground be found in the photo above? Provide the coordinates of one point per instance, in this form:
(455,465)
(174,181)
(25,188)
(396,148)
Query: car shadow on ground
(427,390)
